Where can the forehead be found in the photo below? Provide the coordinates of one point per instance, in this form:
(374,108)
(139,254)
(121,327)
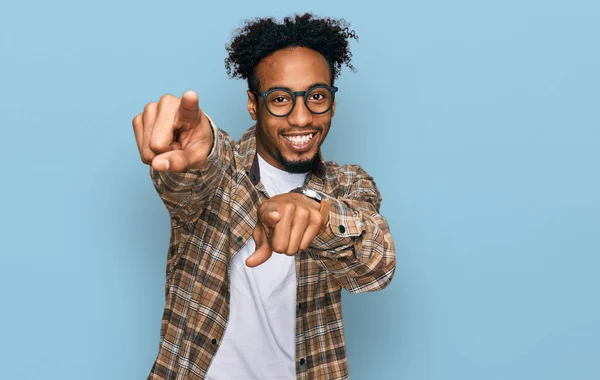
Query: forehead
(296,68)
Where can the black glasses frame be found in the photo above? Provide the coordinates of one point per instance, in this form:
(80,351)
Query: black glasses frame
(293,95)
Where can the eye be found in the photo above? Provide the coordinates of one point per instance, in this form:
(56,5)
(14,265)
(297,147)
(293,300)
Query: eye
(319,95)
(279,98)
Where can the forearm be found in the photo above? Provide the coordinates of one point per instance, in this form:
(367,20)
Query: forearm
(186,193)
(356,245)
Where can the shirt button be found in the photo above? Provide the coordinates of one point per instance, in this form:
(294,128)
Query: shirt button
(240,239)
(299,305)
(302,361)
(214,341)
(342,228)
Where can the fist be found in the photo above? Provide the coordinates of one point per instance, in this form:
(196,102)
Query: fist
(287,223)
(173,134)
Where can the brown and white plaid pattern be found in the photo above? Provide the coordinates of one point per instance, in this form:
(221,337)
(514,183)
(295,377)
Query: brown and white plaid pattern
(213,214)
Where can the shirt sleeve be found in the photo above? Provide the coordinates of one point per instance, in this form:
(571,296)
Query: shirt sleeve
(184,194)
(356,246)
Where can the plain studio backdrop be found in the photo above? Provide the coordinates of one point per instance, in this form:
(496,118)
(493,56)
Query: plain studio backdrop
(480,121)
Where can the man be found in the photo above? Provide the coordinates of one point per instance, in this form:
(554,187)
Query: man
(264,233)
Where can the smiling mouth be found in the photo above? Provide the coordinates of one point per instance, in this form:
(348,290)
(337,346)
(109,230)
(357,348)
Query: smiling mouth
(300,143)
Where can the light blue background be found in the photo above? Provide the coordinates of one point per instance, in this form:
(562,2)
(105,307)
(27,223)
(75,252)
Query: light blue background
(479,120)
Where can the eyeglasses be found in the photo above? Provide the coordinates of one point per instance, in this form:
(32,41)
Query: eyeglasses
(280,102)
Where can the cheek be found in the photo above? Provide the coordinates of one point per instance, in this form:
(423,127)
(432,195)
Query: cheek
(269,130)
(270,126)
(325,123)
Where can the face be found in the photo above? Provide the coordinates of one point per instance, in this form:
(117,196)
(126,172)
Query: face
(291,143)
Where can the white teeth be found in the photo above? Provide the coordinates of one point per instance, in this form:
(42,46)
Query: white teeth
(300,139)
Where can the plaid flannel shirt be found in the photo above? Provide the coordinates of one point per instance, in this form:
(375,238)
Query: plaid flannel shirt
(213,214)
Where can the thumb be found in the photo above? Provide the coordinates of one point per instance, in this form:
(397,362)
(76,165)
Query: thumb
(263,250)
(268,214)
(173,161)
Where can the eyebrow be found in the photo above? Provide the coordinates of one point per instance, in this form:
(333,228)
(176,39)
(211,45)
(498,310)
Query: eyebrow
(289,89)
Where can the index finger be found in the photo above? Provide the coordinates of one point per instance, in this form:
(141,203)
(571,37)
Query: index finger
(263,250)
(189,110)
(173,114)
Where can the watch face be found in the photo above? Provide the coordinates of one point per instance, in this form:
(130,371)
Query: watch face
(312,194)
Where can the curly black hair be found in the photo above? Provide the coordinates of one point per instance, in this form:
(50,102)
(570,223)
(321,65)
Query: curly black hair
(261,37)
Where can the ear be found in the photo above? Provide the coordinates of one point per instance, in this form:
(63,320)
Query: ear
(333,107)
(252,104)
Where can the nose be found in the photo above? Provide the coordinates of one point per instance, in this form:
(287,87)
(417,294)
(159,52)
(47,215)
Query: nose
(301,115)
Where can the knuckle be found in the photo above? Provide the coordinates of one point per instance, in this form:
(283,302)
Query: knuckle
(150,107)
(157,146)
(302,214)
(166,98)
(278,247)
(260,208)
(290,207)
(154,145)
(136,120)
(265,206)
(147,157)
(318,218)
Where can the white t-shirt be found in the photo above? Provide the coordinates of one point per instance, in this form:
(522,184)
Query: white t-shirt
(259,341)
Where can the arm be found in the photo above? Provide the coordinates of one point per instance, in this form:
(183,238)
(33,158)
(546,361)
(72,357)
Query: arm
(356,246)
(186,193)
(186,153)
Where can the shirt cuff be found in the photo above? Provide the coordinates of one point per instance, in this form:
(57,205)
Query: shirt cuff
(215,148)
(343,227)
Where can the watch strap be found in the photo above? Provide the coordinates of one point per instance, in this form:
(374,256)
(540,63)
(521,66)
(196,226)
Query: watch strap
(324,209)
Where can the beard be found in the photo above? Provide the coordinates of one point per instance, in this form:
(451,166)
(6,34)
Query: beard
(297,167)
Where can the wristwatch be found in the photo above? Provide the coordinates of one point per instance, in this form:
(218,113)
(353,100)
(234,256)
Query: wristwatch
(324,205)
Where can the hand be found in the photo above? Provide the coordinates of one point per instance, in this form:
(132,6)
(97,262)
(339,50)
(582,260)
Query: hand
(173,134)
(287,223)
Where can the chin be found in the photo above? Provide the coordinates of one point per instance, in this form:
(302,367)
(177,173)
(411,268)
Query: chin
(302,165)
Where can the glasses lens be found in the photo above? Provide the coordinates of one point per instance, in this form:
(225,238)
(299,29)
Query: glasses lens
(319,100)
(280,102)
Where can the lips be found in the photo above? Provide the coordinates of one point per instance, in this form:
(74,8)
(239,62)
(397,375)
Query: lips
(300,142)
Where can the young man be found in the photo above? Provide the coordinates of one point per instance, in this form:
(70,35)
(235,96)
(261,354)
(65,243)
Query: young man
(264,233)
